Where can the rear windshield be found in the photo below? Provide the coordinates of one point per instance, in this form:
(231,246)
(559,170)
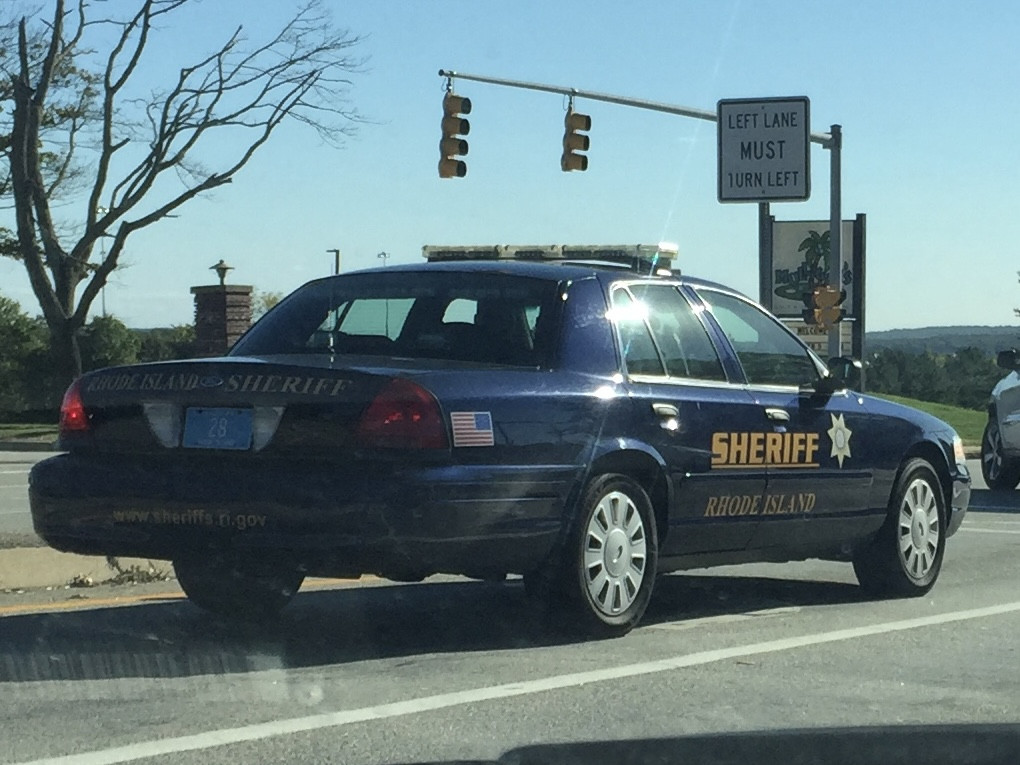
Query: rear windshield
(479,317)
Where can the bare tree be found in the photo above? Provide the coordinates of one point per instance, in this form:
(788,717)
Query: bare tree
(135,145)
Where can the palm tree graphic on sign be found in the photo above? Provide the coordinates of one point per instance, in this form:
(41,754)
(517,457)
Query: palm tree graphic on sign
(816,256)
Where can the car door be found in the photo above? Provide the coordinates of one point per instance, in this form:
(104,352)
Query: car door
(819,475)
(681,402)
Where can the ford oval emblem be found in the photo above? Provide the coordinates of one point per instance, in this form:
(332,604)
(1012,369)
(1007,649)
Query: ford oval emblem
(211,382)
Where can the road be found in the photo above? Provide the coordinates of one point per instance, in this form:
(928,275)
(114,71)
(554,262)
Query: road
(15,519)
(457,670)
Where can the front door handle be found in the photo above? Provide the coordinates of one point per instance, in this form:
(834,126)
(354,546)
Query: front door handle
(665,410)
(777,415)
(669,416)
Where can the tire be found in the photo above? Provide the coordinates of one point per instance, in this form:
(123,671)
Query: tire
(905,557)
(236,587)
(603,580)
(999,471)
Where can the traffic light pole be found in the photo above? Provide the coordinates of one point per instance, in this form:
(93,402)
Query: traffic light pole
(833,141)
(655,106)
(835,147)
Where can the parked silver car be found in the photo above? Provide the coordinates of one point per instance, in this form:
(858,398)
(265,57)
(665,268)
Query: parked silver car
(1000,447)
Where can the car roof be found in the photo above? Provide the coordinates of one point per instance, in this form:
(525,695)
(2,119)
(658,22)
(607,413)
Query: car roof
(551,270)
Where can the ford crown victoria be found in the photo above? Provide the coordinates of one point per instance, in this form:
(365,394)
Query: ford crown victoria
(583,425)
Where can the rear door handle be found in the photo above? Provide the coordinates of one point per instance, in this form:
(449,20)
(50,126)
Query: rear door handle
(665,410)
(777,415)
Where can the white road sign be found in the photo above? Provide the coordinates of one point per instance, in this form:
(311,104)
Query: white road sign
(764,149)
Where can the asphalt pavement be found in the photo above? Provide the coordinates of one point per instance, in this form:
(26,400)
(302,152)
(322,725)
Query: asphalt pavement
(730,665)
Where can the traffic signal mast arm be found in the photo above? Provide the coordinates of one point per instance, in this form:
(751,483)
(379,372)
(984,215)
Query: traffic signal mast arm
(684,111)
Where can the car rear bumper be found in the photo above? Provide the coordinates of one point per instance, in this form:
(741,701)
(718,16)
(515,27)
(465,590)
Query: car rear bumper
(383,519)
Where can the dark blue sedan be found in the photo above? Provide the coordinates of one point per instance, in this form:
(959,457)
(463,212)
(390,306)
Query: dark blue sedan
(584,425)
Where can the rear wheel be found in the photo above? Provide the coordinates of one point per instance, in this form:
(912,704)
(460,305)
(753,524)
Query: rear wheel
(906,555)
(603,581)
(237,587)
(999,471)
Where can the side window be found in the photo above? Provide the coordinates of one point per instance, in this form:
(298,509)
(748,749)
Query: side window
(683,341)
(769,354)
(639,354)
(460,311)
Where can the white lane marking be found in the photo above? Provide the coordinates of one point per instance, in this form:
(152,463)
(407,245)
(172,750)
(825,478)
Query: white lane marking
(15,472)
(256,732)
(990,531)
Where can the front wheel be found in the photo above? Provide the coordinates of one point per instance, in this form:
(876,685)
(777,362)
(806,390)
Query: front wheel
(609,562)
(999,471)
(906,555)
(237,587)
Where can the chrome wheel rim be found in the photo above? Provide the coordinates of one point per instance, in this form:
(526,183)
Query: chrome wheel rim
(615,553)
(919,529)
(991,455)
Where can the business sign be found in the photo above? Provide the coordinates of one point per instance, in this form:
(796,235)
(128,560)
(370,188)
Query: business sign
(796,259)
(800,262)
(764,149)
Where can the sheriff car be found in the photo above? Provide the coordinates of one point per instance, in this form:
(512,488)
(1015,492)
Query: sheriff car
(584,418)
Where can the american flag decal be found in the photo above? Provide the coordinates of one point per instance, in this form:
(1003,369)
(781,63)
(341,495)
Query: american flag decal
(471,428)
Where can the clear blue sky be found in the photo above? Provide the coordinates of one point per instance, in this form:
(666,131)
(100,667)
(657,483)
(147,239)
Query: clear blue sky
(926,93)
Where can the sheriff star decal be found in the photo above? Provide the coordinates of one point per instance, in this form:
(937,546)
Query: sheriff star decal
(840,434)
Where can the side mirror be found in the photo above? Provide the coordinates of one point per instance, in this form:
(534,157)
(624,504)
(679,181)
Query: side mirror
(1007,359)
(848,371)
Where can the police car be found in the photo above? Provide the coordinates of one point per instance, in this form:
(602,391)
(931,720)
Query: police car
(1000,445)
(585,418)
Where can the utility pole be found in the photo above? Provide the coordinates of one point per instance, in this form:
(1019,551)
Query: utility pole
(336,260)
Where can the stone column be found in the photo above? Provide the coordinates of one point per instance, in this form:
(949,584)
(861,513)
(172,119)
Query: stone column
(222,315)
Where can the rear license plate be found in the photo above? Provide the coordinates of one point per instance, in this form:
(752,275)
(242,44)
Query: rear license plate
(217,428)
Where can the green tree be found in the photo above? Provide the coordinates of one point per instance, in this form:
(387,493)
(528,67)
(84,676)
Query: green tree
(971,374)
(107,342)
(163,344)
(261,302)
(142,148)
(21,339)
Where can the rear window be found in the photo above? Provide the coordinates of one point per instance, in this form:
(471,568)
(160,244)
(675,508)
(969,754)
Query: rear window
(477,317)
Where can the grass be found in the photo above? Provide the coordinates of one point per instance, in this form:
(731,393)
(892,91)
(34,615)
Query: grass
(28,431)
(969,423)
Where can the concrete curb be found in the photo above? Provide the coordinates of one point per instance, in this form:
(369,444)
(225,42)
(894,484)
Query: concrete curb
(26,568)
(19,445)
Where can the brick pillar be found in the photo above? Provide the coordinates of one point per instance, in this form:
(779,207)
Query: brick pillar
(222,314)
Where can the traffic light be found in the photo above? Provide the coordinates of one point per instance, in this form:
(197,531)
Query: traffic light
(574,141)
(452,145)
(823,306)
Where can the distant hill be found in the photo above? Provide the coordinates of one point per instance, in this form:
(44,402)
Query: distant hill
(991,340)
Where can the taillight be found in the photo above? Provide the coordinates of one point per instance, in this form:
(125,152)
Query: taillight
(72,411)
(403,416)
